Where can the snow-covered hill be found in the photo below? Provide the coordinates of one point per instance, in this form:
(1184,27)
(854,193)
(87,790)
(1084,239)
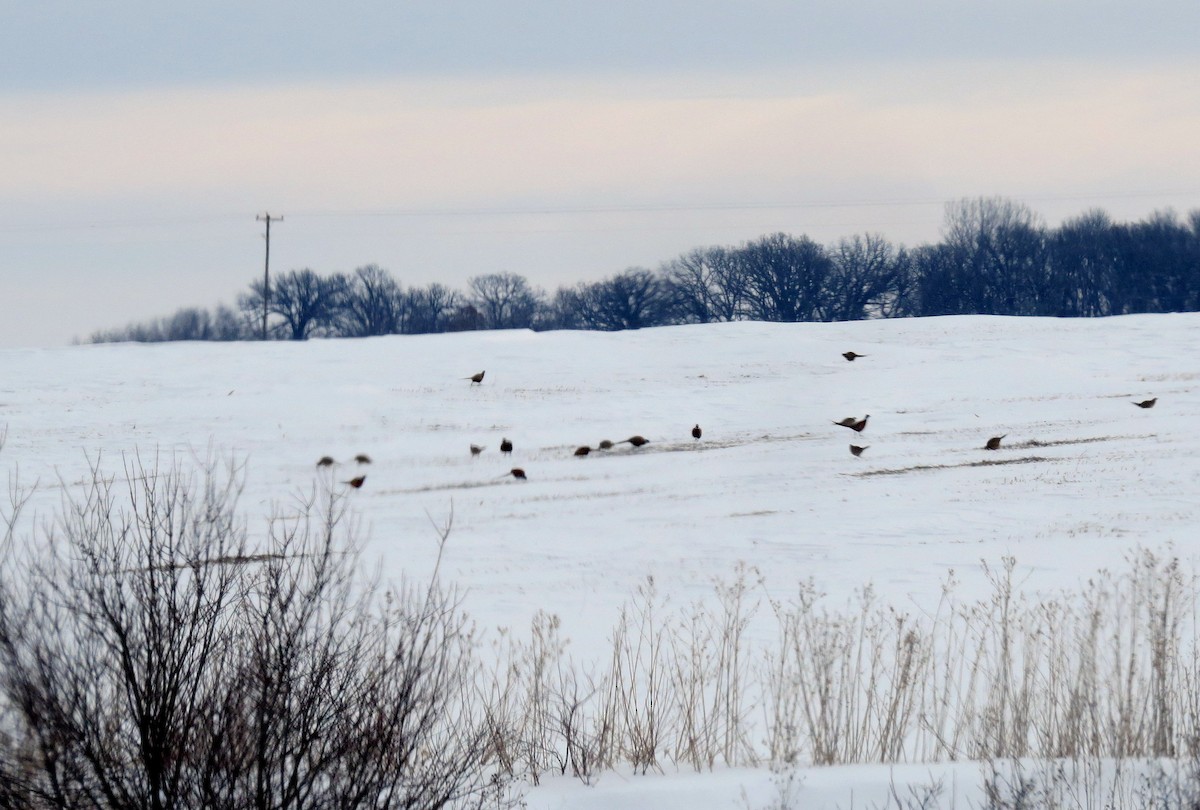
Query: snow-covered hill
(1081,477)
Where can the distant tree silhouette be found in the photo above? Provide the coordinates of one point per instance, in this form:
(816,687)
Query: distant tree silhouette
(633,299)
(1160,265)
(999,249)
(707,284)
(307,303)
(372,304)
(428,309)
(464,318)
(189,323)
(938,283)
(786,278)
(996,256)
(505,300)
(1085,266)
(565,309)
(865,277)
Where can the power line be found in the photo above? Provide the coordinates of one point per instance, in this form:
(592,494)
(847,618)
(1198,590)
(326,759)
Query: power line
(622,208)
(616,208)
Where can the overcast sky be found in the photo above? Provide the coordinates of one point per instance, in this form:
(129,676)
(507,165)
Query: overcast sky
(563,141)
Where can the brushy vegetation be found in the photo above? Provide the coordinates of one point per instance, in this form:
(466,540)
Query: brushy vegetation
(1108,672)
(149,657)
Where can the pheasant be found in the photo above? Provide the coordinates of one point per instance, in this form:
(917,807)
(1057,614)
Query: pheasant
(636,441)
(1146,403)
(356,482)
(476,378)
(856,425)
(583,451)
(852,356)
(857,450)
(696,432)
(476,450)
(994,442)
(505,446)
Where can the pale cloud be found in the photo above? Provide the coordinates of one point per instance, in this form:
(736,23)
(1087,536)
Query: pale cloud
(949,129)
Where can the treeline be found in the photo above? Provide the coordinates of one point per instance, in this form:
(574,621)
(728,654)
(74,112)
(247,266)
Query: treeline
(996,257)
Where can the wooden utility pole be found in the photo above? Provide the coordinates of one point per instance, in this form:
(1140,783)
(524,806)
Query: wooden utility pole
(267,268)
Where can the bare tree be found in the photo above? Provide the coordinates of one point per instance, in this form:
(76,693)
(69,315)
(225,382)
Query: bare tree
(308,303)
(631,300)
(505,300)
(708,284)
(786,278)
(564,310)
(428,309)
(372,303)
(1084,265)
(189,323)
(149,658)
(864,276)
(999,247)
(1160,265)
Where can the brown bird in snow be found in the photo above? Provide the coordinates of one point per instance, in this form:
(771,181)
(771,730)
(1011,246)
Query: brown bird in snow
(1146,403)
(852,356)
(583,451)
(994,442)
(476,449)
(476,378)
(696,432)
(854,424)
(356,482)
(636,441)
(325,461)
(505,446)
(363,458)
(856,450)
(518,473)
(605,444)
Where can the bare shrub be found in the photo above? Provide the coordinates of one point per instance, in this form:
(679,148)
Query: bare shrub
(709,672)
(633,693)
(844,686)
(150,658)
(533,705)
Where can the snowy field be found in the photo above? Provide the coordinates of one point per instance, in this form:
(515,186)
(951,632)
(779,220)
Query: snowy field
(1081,477)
